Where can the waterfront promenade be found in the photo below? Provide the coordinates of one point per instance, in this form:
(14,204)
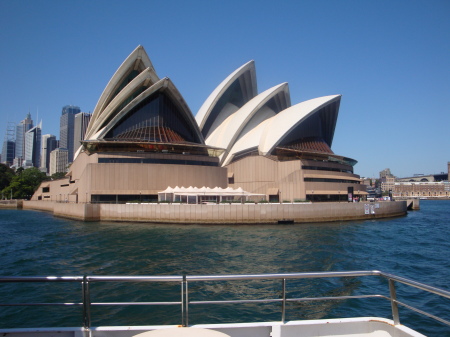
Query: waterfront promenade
(223,213)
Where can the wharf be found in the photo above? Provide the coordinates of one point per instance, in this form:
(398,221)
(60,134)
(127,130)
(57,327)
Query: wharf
(223,213)
(413,204)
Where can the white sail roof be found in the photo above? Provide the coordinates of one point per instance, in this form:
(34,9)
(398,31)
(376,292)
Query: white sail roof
(249,116)
(246,74)
(138,60)
(281,125)
(270,133)
(144,79)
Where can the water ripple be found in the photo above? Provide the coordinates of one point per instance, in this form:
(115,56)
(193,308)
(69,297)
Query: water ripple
(415,246)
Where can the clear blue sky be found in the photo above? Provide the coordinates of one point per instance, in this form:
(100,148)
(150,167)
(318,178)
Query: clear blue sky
(389,59)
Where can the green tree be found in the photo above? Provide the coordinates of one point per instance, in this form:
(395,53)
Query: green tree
(24,184)
(6,175)
(58,175)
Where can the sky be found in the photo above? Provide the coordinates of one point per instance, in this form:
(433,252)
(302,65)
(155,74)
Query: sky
(389,59)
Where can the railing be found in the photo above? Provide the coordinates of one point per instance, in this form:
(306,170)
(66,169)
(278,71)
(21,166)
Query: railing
(185,280)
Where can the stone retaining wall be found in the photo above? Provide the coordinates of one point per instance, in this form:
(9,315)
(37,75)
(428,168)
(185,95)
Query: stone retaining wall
(223,213)
(11,204)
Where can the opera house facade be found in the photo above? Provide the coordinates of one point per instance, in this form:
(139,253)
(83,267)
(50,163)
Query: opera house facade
(143,138)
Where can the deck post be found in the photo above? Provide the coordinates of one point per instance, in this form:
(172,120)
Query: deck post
(184,302)
(394,305)
(283,305)
(86,303)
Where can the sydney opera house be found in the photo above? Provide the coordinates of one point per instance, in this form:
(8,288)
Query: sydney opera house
(143,138)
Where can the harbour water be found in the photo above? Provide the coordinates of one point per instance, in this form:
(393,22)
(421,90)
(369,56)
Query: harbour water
(35,243)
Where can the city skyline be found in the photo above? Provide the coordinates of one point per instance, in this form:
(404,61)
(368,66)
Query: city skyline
(28,147)
(390,61)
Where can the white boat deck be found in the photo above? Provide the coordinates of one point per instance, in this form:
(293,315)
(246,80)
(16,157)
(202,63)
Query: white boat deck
(349,327)
(345,327)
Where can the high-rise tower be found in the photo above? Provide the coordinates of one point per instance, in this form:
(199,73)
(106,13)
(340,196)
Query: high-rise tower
(21,129)
(33,146)
(8,150)
(66,131)
(81,123)
(49,143)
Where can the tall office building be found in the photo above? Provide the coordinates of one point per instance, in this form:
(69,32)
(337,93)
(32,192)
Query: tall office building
(9,145)
(8,152)
(33,146)
(81,123)
(58,160)
(49,143)
(66,131)
(21,129)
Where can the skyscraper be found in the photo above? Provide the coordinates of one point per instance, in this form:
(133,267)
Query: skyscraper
(81,123)
(49,143)
(66,131)
(21,129)
(33,146)
(8,150)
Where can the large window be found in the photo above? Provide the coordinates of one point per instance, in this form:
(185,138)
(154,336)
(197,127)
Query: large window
(321,168)
(155,119)
(123,198)
(156,161)
(326,180)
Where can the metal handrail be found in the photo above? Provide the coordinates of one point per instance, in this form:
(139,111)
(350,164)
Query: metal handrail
(185,302)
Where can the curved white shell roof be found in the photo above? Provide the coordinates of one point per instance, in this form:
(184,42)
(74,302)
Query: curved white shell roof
(137,60)
(280,126)
(134,81)
(249,141)
(233,117)
(270,133)
(248,117)
(143,79)
(260,123)
(250,87)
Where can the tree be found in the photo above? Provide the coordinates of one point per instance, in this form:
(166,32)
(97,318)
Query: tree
(58,175)
(24,184)
(6,175)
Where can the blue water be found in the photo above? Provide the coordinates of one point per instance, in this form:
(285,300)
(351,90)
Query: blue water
(35,243)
